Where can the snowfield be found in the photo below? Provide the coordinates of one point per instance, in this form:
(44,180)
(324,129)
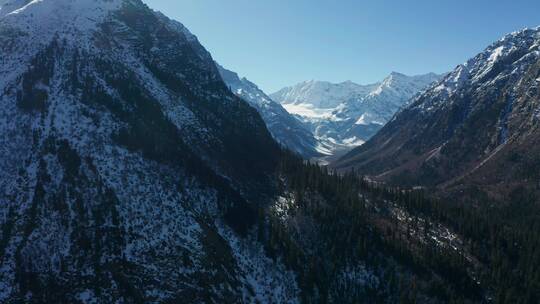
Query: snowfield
(345,115)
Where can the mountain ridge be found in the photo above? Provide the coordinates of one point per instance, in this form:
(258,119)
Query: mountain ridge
(131,173)
(129,169)
(345,115)
(285,128)
(485,108)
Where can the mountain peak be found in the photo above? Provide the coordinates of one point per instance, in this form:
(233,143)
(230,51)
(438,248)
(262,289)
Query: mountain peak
(8,6)
(404,82)
(322,94)
(344,115)
(121,116)
(60,6)
(469,124)
(507,57)
(62,16)
(525,32)
(397,74)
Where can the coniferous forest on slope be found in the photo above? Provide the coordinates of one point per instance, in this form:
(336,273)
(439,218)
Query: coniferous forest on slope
(132,171)
(496,258)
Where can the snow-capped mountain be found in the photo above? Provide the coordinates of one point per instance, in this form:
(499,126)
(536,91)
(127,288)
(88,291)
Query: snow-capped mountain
(130,173)
(285,128)
(320,94)
(128,169)
(478,126)
(345,115)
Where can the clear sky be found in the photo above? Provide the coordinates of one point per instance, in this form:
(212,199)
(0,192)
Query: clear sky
(277,43)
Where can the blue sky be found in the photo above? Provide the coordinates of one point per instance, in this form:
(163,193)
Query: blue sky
(276,43)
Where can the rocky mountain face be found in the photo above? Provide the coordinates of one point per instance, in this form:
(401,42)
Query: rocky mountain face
(128,168)
(345,115)
(477,128)
(130,173)
(285,128)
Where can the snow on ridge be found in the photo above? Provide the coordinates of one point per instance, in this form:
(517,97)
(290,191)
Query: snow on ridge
(479,66)
(48,14)
(40,21)
(178,26)
(527,31)
(258,273)
(367,119)
(287,129)
(498,52)
(515,51)
(7,6)
(526,38)
(345,115)
(321,94)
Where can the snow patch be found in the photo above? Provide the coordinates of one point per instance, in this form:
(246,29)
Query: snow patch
(368,119)
(496,54)
(265,280)
(353,141)
(308,111)
(87,297)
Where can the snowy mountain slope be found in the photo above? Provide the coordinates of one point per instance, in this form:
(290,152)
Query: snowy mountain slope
(343,116)
(110,186)
(130,173)
(8,6)
(320,94)
(479,125)
(285,128)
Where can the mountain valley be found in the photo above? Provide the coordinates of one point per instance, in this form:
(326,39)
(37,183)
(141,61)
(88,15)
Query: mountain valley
(135,169)
(345,115)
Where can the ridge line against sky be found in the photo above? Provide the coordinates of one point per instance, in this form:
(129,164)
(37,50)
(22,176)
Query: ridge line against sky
(280,43)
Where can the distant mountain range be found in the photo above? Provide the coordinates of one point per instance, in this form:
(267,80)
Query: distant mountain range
(135,170)
(478,127)
(345,115)
(131,173)
(320,120)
